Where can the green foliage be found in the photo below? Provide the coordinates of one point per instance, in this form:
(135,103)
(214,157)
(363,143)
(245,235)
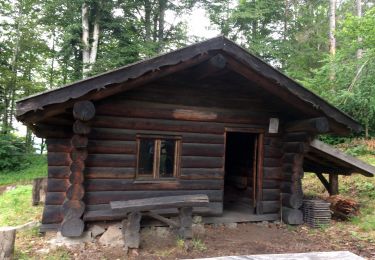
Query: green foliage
(17,202)
(37,168)
(12,152)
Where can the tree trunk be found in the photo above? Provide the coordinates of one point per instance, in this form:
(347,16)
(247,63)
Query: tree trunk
(7,238)
(147,21)
(85,39)
(95,42)
(332,38)
(359,14)
(162,6)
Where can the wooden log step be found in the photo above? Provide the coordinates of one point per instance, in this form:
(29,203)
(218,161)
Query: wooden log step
(292,216)
(120,184)
(52,214)
(180,201)
(201,173)
(55,198)
(112,147)
(116,134)
(110,172)
(201,162)
(111,160)
(58,159)
(60,185)
(103,197)
(210,150)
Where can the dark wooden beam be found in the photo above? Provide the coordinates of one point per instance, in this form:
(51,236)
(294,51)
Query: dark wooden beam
(323,180)
(317,125)
(210,67)
(333,184)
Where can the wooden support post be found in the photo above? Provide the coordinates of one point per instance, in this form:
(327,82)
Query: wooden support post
(7,238)
(37,187)
(186,221)
(323,180)
(333,184)
(131,229)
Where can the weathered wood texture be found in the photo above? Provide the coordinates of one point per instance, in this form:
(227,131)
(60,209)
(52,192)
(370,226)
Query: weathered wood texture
(7,239)
(181,201)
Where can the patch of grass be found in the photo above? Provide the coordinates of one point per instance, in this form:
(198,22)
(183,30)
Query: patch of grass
(15,207)
(198,244)
(37,168)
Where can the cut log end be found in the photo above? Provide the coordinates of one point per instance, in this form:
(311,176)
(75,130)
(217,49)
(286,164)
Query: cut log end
(84,110)
(72,227)
(7,238)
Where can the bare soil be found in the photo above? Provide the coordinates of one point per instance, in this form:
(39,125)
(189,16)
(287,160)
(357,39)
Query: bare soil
(246,239)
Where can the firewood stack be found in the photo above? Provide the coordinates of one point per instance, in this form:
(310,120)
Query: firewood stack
(343,208)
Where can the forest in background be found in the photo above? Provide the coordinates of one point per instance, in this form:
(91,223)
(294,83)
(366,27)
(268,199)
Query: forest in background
(328,46)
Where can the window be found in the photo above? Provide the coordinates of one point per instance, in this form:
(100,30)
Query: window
(158,157)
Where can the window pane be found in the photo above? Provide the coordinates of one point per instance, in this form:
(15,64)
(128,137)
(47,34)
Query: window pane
(146,157)
(167,157)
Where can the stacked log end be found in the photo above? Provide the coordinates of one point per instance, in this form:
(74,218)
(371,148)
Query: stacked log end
(295,145)
(74,207)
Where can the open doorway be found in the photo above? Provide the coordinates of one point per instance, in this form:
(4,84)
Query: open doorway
(240,171)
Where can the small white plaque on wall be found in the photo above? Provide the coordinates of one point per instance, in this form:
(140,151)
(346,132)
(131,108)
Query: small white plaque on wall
(274,126)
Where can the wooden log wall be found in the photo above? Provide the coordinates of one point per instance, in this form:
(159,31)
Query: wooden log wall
(295,145)
(110,166)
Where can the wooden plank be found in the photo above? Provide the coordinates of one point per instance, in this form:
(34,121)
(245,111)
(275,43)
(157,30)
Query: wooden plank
(58,145)
(210,150)
(260,171)
(105,213)
(319,125)
(103,197)
(111,160)
(201,162)
(58,172)
(124,184)
(109,172)
(180,201)
(336,155)
(134,109)
(58,159)
(201,173)
(55,198)
(112,147)
(130,135)
(59,185)
(52,214)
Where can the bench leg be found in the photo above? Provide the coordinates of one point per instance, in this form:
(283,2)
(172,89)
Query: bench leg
(131,230)
(186,221)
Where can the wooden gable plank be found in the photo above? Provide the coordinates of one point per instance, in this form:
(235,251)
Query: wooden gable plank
(338,157)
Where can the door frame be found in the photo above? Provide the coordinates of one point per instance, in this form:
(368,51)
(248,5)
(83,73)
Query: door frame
(259,132)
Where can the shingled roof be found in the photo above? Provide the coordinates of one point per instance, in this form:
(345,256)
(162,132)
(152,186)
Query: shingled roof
(34,108)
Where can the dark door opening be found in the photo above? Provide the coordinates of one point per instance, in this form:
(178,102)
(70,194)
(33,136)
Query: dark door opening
(240,171)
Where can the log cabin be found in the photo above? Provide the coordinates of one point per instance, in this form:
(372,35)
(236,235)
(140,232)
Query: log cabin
(210,118)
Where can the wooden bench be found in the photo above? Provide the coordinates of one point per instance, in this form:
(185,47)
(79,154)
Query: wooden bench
(134,209)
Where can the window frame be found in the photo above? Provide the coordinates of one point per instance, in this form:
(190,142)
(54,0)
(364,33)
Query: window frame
(156,160)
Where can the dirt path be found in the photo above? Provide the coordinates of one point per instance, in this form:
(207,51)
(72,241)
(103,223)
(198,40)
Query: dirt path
(245,239)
